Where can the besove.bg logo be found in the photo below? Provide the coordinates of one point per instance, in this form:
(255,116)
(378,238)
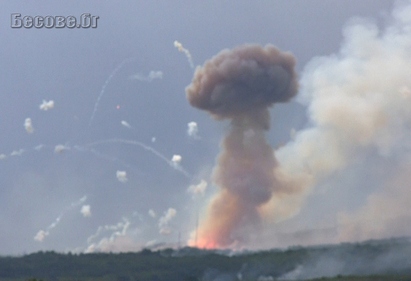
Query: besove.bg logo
(86,20)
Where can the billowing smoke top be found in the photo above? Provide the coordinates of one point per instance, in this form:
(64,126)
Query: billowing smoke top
(242,80)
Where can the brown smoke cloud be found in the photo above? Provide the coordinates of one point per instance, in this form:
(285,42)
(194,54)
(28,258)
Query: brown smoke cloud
(241,84)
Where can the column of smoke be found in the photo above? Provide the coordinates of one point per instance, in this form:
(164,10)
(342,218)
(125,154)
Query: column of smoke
(240,85)
(358,104)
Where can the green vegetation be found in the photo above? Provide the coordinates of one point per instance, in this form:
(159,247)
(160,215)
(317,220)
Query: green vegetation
(391,259)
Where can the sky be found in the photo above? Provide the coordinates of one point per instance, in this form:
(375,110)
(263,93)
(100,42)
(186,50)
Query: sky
(112,165)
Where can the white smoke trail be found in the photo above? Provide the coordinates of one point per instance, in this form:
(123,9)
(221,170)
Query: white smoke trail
(43,233)
(117,230)
(125,124)
(144,146)
(104,156)
(180,47)
(164,221)
(151,76)
(103,89)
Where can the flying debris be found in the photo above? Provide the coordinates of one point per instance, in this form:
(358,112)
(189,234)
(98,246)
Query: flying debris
(152,213)
(85,210)
(199,188)
(125,124)
(192,130)
(3,156)
(180,47)
(60,148)
(46,105)
(153,139)
(240,85)
(122,176)
(28,125)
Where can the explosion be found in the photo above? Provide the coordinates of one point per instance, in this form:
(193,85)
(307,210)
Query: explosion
(240,85)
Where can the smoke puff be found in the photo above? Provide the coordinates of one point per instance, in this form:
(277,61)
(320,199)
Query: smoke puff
(176,159)
(46,105)
(28,125)
(60,148)
(164,220)
(151,76)
(241,80)
(41,235)
(192,130)
(85,210)
(17,152)
(122,176)
(152,213)
(199,188)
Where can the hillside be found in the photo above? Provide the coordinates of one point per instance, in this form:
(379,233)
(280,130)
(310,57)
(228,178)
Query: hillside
(390,257)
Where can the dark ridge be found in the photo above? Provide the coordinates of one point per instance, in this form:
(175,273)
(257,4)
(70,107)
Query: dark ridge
(378,257)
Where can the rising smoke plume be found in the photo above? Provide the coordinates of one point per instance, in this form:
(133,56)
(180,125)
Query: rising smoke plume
(240,85)
(358,104)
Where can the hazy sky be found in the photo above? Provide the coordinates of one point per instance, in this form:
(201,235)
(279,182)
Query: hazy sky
(44,190)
